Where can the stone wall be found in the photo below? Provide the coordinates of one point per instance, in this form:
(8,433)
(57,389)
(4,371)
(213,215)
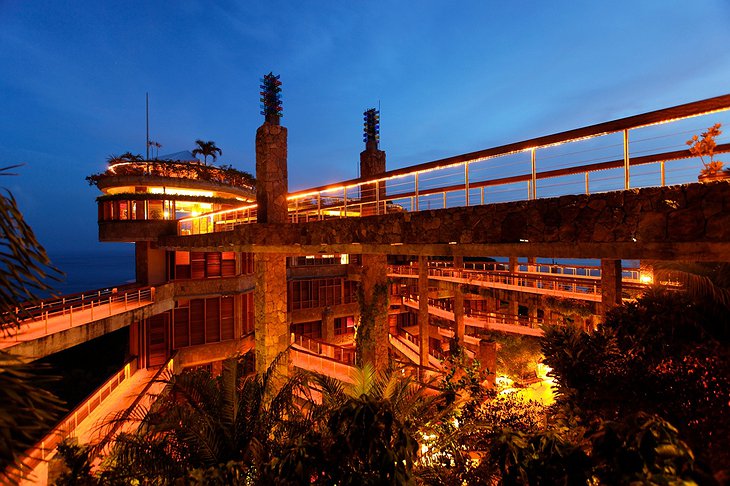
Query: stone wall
(689,221)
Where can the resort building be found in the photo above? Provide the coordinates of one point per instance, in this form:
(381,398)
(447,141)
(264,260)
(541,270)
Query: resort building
(397,264)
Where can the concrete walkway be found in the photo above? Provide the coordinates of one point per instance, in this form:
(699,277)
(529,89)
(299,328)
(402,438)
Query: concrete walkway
(45,325)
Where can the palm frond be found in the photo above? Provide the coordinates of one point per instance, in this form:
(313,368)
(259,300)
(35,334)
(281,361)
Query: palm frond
(699,280)
(363,381)
(26,410)
(24,265)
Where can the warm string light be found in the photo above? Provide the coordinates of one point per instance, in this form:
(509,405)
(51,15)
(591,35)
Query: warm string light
(370,127)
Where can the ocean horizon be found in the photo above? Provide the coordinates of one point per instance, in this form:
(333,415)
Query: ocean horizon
(93,269)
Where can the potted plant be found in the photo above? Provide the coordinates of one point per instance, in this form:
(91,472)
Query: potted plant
(704,148)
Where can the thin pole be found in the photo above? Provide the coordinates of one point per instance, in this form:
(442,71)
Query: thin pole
(147,118)
(533,191)
(627,183)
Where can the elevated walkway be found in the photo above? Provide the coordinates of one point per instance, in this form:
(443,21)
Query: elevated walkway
(58,324)
(88,423)
(582,287)
(486,320)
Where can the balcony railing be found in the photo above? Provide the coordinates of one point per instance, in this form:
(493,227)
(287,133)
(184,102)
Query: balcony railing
(76,309)
(46,447)
(639,151)
(332,351)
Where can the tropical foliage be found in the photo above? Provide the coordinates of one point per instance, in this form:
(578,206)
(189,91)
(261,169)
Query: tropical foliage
(207,149)
(659,355)
(641,400)
(224,174)
(26,411)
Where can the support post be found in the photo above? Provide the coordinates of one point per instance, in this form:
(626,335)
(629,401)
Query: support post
(610,284)
(372,334)
(270,316)
(627,176)
(488,359)
(328,325)
(423,320)
(533,188)
(460,327)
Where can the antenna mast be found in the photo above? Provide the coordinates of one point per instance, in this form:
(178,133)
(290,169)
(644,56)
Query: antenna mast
(147,117)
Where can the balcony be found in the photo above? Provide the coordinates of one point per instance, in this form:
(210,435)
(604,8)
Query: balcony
(221,181)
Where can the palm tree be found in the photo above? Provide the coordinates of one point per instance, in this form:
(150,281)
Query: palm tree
(204,421)
(703,281)
(366,432)
(26,411)
(207,149)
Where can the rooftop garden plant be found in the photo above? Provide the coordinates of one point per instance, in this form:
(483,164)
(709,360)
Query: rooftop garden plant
(133,165)
(703,146)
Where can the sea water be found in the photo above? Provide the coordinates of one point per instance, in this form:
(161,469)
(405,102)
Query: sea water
(93,269)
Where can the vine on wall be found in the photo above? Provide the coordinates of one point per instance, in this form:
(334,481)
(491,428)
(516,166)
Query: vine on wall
(369,313)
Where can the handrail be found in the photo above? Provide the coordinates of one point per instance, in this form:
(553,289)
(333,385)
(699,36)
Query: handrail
(151,391)
(64,299)
(579,284)
(488,316)
(382,194)
(43,314)
(46,447)
(325,349)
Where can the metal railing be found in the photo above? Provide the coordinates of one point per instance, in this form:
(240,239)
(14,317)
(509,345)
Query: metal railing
(98,304)
(632,152)
(480,315)
(46,447)
(580,286)
(325,349)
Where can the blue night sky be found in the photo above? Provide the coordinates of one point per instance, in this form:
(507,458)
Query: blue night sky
(450,77)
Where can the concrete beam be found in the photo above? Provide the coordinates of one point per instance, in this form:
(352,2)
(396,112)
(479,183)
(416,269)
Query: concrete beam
(689,222)
(68,338)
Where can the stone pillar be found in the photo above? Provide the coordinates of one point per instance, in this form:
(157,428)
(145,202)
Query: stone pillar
(372,334)
(458,262)
(460,327)
(270,293)
(610,284)
(270,322)
(513,265)
(272,184)
(423,320)
(372,164)
(488,359)
(328,325)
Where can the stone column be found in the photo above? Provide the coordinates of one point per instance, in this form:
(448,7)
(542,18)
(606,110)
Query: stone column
(423,320)
(272,184)
(513,265)
(514,304)
(458,262)
(460,327)
(372,333)
(328,325)
(270,323)
(610,284)
(372,164)
(270,293)
(488,359)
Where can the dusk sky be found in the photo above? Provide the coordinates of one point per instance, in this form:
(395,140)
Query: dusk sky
(450,77)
